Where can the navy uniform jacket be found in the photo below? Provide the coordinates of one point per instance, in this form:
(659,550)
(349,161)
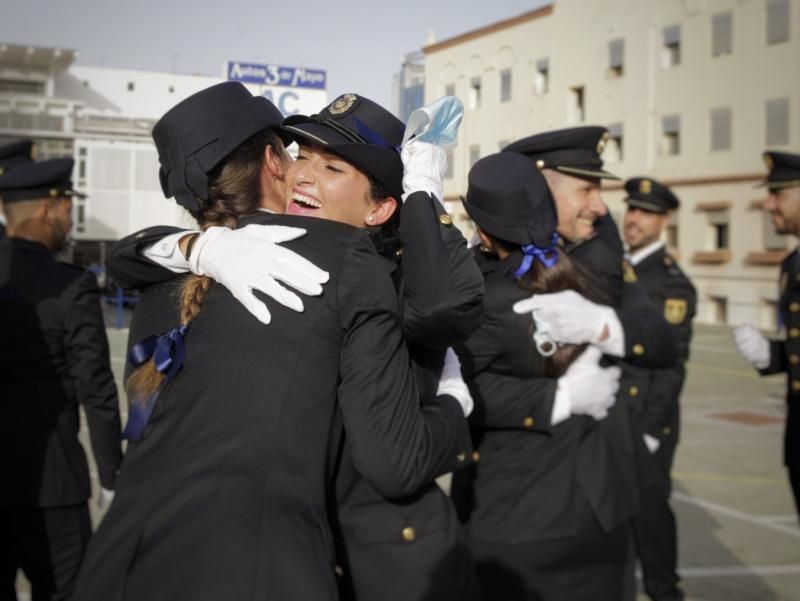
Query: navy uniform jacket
(785,354)
(54,356)
(528,470)
(668,287)
(231,475)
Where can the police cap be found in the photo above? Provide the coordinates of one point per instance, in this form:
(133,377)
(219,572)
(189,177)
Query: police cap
(36,180)
(784,170)
(575,151)
(15,153)
(511,201)
(196,135)
(650,195)
(360,131)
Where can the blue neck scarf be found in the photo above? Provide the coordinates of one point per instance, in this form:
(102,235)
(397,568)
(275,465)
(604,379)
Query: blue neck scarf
(547,256)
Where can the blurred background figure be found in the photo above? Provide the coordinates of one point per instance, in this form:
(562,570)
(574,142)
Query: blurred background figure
(11,155)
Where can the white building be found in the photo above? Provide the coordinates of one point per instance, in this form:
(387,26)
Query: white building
(103,118)
(692,92)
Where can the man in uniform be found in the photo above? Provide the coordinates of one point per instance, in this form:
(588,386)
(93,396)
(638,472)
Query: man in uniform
(649,204)
(775,356)
(54,355)
(11,155)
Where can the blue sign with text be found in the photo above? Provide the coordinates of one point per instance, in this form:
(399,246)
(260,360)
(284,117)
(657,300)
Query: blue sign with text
(274,75)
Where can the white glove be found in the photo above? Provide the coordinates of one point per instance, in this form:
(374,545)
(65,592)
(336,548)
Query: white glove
(569,318)
(587,388)
(250,259)
(453,384)
(424,168)
(105,498)
(752,345)
(653,443)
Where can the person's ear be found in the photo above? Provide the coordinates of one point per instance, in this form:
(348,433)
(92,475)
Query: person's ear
(381,212)
(486,241)
(274,163)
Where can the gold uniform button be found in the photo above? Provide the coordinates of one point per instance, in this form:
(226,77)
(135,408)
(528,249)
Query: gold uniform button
(638,349)
(794,333)
(339,571)
(634,391)
(794,307)
(461,457)
(796,385)
(794,359)
(666,430)
(528,422)
(409,534)
(476,456)
(445,219)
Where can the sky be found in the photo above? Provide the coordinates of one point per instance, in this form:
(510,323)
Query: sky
(360,44)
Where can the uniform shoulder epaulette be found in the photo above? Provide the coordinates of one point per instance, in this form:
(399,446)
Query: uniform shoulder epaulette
(670,266)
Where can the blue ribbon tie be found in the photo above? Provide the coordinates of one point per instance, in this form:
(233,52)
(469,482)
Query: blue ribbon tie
(547,256)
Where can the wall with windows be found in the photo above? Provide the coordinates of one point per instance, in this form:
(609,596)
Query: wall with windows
(691,92)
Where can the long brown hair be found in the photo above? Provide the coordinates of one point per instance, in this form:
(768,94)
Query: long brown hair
(234,189)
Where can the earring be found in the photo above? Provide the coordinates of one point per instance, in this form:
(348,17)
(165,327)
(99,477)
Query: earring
(370,218)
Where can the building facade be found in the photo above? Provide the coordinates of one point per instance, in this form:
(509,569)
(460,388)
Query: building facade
(692,92)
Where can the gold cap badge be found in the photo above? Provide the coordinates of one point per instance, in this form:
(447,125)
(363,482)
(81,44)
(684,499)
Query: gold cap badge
(645,186)
(768,161)
(601,144)
(342,104)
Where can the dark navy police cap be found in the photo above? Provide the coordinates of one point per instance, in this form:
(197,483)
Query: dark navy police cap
(574,151)
(650,195)
(784,170)
(511,201)
(37,180)
(15,153)
(360,131)
(196,135)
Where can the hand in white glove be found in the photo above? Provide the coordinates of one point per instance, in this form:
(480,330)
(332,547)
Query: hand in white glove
(569,318)
(652,443)
(752,345)
(251,259)
(453,384)
(424,168)
(586,387)
(105,498)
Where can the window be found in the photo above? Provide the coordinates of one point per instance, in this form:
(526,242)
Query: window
(80,216)
(450,160)
(615,147)
(718,226)
(505,85)
(778,19)
(541,80)
(671,135)
(719,309)
(576,111)
(474,154)
(616,57)
(450,89)
(721,129)
(672,234)
(777,121)
(475,93)
(721,33)
(772,240)
(671,50)
(131,86)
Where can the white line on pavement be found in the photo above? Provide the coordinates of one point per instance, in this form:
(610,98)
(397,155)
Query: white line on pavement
(739,571)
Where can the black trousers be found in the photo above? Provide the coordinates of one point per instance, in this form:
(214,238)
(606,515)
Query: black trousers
(589,566)
(47,544)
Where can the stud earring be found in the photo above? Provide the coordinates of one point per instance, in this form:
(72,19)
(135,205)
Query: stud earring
(370,218)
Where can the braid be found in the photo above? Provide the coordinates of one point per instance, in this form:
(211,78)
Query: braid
(234,189)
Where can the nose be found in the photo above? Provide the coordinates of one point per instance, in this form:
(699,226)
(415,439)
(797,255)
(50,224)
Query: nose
(596,203)
(771,203)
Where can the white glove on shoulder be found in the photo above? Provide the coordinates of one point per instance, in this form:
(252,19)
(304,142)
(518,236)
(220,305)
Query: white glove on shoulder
(105,498)
(752,345)
(586,387)
(569,318)
(251,259)
(424,168)
(453,384)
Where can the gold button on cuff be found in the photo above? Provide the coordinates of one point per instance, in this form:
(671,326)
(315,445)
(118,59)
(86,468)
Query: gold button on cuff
(794,333)
(794,359)
(409,534)
(796,385)
(445,219)
(666,430)
(528,422)
(638,349)
(461,457)
(794,307)
(634,391)
(476,456)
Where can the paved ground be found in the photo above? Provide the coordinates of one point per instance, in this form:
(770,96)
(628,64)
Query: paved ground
(739,535)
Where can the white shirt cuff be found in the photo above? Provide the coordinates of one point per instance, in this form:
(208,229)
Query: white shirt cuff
(166,253)
(614,345)
(561,406)
(653,443)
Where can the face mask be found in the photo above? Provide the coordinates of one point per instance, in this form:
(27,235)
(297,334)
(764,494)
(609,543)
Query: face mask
(436,123)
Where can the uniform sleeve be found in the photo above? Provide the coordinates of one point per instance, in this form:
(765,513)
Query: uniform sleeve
(86,349)
(443,287)
(650,341)
(128,265)
(777,359)
(396,445)
(507,402)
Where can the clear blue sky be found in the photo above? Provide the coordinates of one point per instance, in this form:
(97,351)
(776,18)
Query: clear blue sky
(359,43)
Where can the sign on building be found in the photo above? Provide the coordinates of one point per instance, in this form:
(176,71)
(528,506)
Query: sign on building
(292,89)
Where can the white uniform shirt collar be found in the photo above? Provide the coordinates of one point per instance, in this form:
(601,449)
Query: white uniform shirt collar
(640,255)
